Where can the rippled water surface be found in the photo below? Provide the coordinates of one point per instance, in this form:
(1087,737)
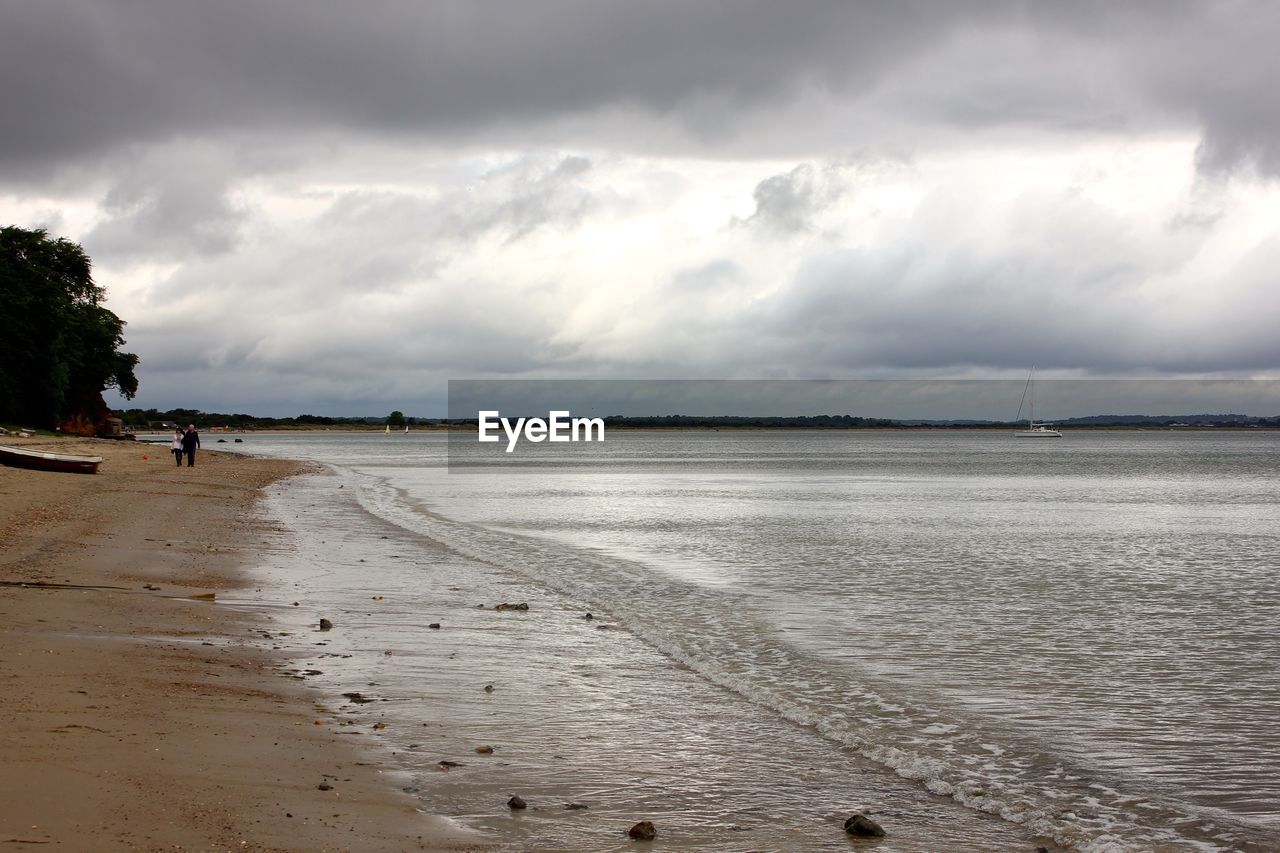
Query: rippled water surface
(988,641)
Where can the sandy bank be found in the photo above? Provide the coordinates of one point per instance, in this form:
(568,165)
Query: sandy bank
(139,718)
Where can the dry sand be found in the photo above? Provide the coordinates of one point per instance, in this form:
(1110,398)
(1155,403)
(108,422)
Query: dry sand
(141,719)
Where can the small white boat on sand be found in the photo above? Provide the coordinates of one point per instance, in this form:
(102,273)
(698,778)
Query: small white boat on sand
(21,457)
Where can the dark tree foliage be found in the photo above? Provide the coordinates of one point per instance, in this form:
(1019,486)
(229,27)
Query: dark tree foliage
(59,348)
(396,419)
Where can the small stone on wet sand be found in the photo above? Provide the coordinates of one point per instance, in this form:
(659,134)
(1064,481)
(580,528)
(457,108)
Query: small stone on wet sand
(517,802)
(643,831)
(863,827)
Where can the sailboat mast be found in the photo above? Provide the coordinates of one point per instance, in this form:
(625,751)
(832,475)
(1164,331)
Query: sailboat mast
(1031,383)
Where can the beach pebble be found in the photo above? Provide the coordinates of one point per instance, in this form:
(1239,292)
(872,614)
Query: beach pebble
(488,688)
(325,624)
(434,625)
(588,617)
(863,827)
(573,807)
(358,698)
(517,802)
(504,606)
(379,726)
(484,750)
(643,831)
(325,786)
(447,764)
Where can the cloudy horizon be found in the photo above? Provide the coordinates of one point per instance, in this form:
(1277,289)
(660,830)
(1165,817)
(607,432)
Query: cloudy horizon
(314,207)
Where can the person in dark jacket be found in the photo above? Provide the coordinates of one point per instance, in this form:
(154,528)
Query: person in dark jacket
(190,441)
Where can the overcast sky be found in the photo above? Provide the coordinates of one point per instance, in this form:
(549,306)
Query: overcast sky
(335,207)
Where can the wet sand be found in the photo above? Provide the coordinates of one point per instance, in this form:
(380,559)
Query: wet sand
(135,717)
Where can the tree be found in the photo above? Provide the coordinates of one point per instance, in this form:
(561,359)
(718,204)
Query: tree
(59,348)
(395,419)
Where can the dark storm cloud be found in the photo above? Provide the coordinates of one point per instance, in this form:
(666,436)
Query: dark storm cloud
(162,206)
(101,73)
(97,74)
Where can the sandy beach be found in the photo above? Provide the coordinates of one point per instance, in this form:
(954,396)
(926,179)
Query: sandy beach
(139,716)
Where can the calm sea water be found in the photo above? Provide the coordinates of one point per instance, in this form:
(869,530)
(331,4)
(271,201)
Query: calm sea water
(985,643)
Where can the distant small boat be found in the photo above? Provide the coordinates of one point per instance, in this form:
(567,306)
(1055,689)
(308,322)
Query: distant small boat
(406,429)
(19,457)
(388,430)
(1033,430)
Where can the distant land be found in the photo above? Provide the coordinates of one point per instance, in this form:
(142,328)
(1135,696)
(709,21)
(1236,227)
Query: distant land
(141,419)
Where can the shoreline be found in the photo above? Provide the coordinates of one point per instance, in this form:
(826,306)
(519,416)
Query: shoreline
(140,717)
(584,722)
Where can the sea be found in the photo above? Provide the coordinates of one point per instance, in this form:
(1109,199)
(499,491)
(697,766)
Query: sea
(745,637)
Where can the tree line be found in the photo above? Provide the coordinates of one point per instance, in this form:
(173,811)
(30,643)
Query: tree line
(155,417)
(59,347)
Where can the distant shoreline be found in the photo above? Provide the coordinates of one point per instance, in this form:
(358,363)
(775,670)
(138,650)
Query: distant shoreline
(626,427)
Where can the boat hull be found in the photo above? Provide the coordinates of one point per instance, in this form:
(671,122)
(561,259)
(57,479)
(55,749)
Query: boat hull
(17,457)
(1037,433)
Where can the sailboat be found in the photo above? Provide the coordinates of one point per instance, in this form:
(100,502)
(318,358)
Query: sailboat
(388,429)
(406,429)
(1033,430)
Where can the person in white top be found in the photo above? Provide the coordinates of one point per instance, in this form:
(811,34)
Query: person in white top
(176,447)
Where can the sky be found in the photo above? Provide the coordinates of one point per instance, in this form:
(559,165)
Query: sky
(335,208)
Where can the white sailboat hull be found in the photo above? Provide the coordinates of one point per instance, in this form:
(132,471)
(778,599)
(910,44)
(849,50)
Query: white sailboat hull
(1037,432)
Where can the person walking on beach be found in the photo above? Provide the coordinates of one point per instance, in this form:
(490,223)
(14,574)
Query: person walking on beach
(190,441)
(176,446)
